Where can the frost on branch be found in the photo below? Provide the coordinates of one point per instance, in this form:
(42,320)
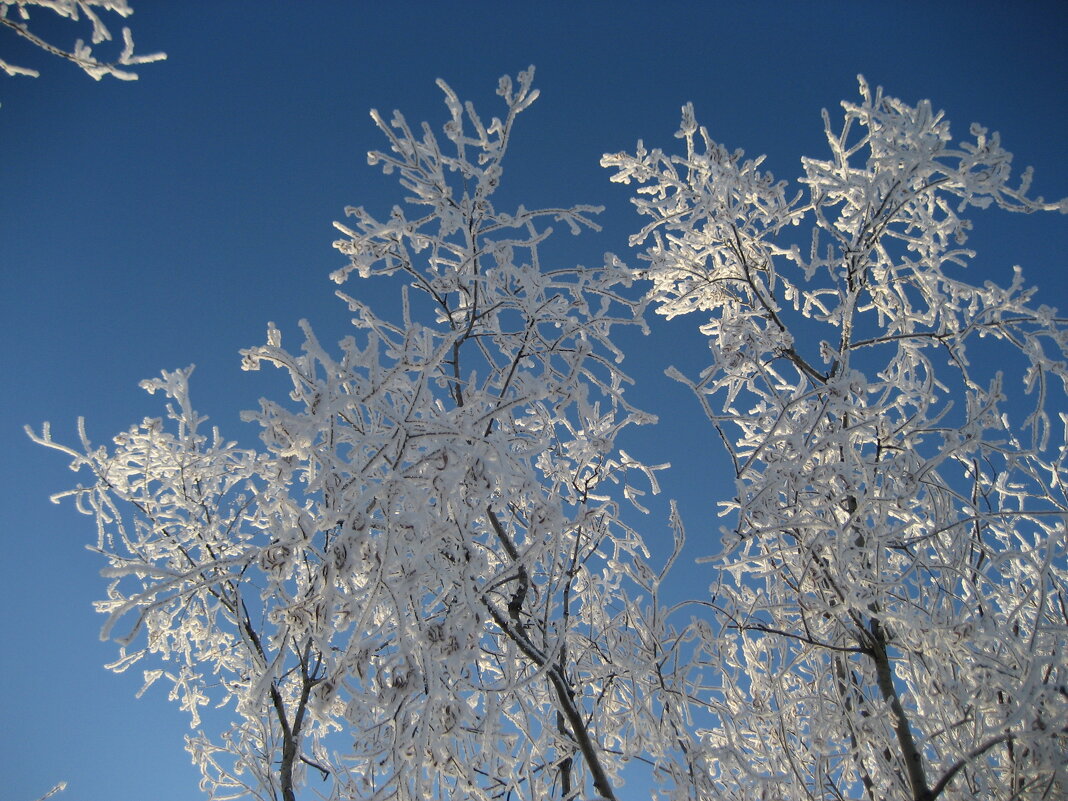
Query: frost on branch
(893,594)
(15,15)
(419,587)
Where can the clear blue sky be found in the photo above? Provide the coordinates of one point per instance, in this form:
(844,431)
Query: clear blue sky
(164,222)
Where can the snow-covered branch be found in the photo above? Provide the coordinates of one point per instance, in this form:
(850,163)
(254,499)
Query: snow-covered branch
(15,16)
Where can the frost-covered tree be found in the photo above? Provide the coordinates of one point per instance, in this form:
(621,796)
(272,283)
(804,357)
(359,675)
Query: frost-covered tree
(419,586)
(891,601)
(424,585)
(15,16)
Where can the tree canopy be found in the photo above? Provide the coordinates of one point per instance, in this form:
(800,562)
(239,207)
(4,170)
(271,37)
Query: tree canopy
(431,579)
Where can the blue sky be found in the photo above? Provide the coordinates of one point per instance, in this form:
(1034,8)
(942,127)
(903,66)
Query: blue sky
(156,224)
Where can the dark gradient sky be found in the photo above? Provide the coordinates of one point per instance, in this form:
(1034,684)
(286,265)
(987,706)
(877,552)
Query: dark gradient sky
(164,222)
